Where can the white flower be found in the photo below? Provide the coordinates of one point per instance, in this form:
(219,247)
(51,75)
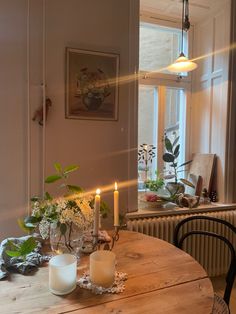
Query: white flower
(44,227)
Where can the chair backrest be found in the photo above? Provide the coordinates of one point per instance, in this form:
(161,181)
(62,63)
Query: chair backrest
(179,238)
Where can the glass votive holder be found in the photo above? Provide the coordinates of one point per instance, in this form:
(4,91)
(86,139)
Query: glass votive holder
(62,274)
(102,268)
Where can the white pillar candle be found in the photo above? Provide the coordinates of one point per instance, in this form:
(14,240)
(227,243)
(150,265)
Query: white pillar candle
(116,206)
(62,274)
(102,268)
(96,212)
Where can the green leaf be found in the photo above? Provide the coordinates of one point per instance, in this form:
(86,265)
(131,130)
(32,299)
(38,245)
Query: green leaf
(35,199)
(169,176)
(48,197)
(185,163)
(27,246)
(74,188)
(58,167)
(23,227)
(168,145)
(104,209)
(177,154)
(13,253)
(168,157)
(187,183)
(176,151)
(176,141)
(71,168)
(12,245)
(32,219)
(52,178)
(63,228)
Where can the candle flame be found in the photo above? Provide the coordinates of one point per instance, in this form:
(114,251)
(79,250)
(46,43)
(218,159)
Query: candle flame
(98,191)
(116,186)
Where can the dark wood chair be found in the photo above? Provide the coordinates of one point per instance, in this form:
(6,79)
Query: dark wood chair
(221,305)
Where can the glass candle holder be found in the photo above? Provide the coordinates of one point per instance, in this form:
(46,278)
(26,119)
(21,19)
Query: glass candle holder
(102,268)
(62,274)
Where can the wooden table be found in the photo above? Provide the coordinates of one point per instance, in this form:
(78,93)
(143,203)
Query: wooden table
(161,279)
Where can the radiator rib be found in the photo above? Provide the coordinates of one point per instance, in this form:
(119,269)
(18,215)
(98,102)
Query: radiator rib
(212,254)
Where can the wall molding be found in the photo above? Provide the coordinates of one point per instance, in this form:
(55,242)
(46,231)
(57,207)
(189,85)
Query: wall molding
(133,105)
(230,180)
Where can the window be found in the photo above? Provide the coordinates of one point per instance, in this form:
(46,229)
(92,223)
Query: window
(159,47)
(162,99)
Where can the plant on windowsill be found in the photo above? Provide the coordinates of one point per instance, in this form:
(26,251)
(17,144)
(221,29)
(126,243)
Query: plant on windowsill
(171,155)
(146,153)
(156,184)
(150,198)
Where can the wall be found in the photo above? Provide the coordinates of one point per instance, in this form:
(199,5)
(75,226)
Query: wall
(210,88)
(99,147)
(104,150)
(13,113)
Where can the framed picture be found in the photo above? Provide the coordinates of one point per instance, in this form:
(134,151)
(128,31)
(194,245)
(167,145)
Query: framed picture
(91,85)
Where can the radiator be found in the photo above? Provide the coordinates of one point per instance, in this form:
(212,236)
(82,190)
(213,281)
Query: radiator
(211,253)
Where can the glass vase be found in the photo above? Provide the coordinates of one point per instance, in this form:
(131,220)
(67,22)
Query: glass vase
(69,241)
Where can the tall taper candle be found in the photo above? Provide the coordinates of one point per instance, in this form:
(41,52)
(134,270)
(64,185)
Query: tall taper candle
(116,206)
(96,212)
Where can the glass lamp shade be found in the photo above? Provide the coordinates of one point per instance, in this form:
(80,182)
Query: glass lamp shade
(182,64)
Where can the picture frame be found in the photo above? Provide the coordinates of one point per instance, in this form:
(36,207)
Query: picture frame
(91,85)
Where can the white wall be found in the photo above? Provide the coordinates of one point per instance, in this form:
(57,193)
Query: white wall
(13,113)
(99,147)
(209,105)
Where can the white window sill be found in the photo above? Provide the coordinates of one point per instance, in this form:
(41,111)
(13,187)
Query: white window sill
(170,210)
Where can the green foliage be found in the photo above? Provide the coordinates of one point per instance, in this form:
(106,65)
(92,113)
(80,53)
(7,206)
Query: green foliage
(48,210)
(171,156)
(184,181)
(53,178)
(70,169)
(21,224)
(63,174)
(21,250)
(104,209)
(74,188)
(154,185)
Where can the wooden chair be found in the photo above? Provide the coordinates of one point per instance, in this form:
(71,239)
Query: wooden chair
(221,305)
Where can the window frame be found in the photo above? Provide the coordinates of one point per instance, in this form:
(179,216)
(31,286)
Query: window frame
(163,80)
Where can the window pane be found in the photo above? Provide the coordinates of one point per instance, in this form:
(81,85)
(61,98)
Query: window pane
(175,120)
(159,46)
(147,131)
(172,110)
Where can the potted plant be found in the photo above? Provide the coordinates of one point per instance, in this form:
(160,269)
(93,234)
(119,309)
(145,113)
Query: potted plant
(146,153)
(171,157)
(156,184)
(65,219)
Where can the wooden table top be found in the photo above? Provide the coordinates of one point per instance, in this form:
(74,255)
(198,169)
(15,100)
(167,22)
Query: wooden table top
(161,279)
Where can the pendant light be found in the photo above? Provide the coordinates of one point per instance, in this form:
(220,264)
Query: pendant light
(183,64)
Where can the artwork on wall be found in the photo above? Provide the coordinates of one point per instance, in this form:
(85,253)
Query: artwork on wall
(91,85)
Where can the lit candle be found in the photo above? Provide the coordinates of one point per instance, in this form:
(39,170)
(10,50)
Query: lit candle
(96,212)
(116,206)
